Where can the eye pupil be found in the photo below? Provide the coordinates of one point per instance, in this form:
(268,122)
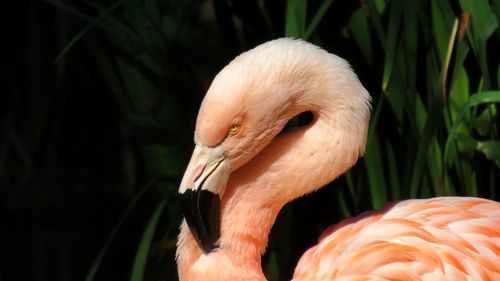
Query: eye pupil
(234,129)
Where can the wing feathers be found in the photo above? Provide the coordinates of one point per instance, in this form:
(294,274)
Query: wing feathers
(446,238)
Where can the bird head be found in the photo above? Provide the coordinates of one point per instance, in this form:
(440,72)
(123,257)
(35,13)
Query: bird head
(241,113)
(246,107)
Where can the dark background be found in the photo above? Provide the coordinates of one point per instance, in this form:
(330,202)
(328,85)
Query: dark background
(97,111)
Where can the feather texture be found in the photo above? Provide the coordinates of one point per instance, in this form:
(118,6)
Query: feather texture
(445,238)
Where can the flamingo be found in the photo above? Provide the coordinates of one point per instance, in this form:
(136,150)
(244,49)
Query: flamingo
(243,171)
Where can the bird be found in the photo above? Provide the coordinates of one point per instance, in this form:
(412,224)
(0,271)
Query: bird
(244,169)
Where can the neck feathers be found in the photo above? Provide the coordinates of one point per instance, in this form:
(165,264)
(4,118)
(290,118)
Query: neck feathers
(304,159)
(306,78)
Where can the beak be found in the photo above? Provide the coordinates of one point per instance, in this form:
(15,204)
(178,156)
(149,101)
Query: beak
(200,192)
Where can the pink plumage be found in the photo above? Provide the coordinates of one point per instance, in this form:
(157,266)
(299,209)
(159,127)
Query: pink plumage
(446,238)
(243,172)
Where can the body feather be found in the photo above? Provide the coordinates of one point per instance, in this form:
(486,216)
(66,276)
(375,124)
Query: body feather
(445,238)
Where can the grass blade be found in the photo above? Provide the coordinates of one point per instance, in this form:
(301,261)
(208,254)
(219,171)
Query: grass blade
(373,8)
(376,178)
(295,18)
(358,25)
(97,262)
(373,161)
(140,259)
(393,172)
(474,100)
(483,24)
(491,149)
(317,18)
(92,23)
(424,144)
(390,54)
(444,72)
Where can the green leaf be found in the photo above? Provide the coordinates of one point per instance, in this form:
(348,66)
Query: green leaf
(295,18)
(459,91)
(374,13)
(380,6)
(483,20)
(435,168)
(440,30)
(344,210)
(446,63)
(483,24)
(484,123)
(424,145)
(420,114)
(392,169)
(141,256)
(498,72)
(376,179)
(390,54)
(350,185)
(374,163)
(491,149)
(265,13)
(496,8)
(409,36)
(317,18)
(271,267)
(92,23)
(358,25)
(98,260)
(468,143)
(474,100)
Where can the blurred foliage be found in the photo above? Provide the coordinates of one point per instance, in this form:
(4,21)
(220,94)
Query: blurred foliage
(100,100)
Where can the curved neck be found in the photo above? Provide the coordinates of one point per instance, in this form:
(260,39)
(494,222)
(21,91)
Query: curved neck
(292,165)
(296,163)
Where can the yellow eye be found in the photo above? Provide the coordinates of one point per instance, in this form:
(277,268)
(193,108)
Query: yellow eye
(234,129)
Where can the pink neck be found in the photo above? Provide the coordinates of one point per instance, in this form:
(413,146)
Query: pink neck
(292,165)
(257,191)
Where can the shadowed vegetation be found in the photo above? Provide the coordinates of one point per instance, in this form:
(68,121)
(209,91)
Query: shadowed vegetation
(100,100)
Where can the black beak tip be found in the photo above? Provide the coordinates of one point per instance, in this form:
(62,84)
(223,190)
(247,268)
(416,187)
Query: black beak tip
(201,209)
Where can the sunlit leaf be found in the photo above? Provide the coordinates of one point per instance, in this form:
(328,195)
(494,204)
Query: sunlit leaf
(491,149)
